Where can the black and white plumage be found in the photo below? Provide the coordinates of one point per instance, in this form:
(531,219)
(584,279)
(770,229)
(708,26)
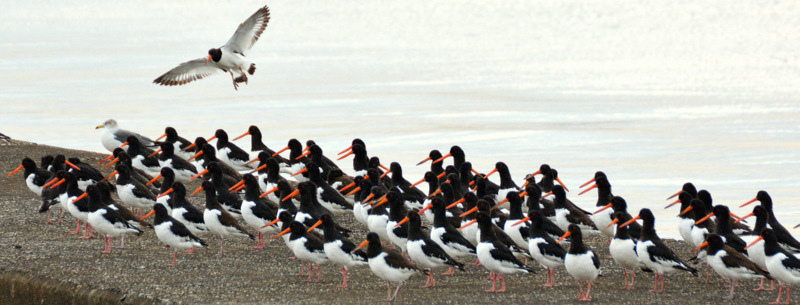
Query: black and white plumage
(781,264)
(398,234)
(229,153)
(178,143)
(132,192)
(730,263)
(542,247)
(34,177)
(85,173)
(50,195)
(494,255)
(257,211)
(623,249)
(339,249)
(217,219)
(142,157)
(654,254)
(182,169)
(423,251)
(446,235)
(173,232)
(306,247)
(105,219)
(506,182)
(785,239)
(112,136)
(228,58)
(567,213)
(327,196)
(388,264)
(78,208)
(580,261)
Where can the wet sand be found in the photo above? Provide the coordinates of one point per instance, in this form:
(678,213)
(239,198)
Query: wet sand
(36,252)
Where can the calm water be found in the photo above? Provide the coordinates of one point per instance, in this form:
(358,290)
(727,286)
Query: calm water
(654,94)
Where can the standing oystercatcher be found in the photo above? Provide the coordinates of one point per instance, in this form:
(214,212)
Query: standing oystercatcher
(339,249)
(495,255)
(542,247)
(388,264)
(581,262)
(34,176)
(623,249)
(781,264)
(306,247)
(257,211)
(178,143)
(229,153)
(218,220)
(133,193)
(730,263)
(184,211)
(173,232)
(105,219)
(182,169)
(785,239)
(423,251)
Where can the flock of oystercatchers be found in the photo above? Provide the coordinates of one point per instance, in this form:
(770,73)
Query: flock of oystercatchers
(299,199)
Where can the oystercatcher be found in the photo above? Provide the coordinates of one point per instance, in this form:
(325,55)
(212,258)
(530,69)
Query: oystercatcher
(495,255)
(173,232)
(580,261)
(339,249)
(730,263)
(104,219)
(423,251)
(388,264)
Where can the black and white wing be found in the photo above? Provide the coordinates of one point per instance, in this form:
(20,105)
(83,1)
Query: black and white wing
(248,32)
(187,72)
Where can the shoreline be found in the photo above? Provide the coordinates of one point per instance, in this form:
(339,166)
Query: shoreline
(45,262)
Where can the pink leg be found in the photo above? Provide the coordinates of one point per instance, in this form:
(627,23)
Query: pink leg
(582,294)
(78,229)
(494,282)
(780,291)
(191,250)
(633,277)
(624,278)
(48,218)
(319,273)
(771,285)
(588,291)
(477,262)
(502,279)
(344,278)
(260,244)
(108,241)
(450,271)
(428,283)
(302,269)
(788,293)
(174,259)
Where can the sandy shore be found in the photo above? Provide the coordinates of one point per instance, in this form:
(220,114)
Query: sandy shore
(34,250)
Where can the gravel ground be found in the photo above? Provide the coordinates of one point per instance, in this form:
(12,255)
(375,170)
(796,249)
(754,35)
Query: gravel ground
(243,275)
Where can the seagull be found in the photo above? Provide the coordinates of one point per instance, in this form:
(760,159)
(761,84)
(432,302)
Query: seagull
(113,136)
(227,58)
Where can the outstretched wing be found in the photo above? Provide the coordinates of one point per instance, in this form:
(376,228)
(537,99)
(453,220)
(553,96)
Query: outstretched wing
(248,32)
(187,72)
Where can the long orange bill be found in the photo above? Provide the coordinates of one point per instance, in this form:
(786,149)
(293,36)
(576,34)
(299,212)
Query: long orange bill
(258,169)
(754,242)
(523,194)
(385,173)
(747,216)
(525,184)
(418,182)
(519,222)
(282,233)
(154,153)
(423,161)
(548,194)
(381,201)
(701,220)
(468,224)
(701,246)
(427,207)
(196,191)
(441,175)
(169,191)
(565,236)
(148,215)
(60,182)
(586,190)
(675,195)
(16,170)
(154,179)
(689,208)
(673,203)
(362,245)
(475,172)
(300,172)
(536,173)
(442,158)
(616,220)
(109,176)
(347,187)
(80,197)
(471,183)
(271,223)
(205,171)
(72,165)
(629,221)
(291,195)
(437,192)
(384,167)
(49,183)
(161,137)
(254,160)
(280,151)
(345,150)
(111,163)
(269,192)
(214,137)
(319,222)
(105,159)
(603,208)
(470,211)
(208,59)
(123,145)
(371,195)
(303,155)
(402,222)
(355,190)
(189,147)
(306,148)
(345,155)
(200,153)
(562,184)
(454,204)
(587,183)
(735,217)
(749,202)
(241,187)
(236,185)
(501,202)
(494,170)
(242,136)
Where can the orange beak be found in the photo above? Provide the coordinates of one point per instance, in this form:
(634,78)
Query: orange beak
(242,136)
(630,221)
(501,202)
(148,215)
(747,216)
(269,192)
(258,168)
(154,179)
(442,158)
(280,151)
(427,207)
(123,145)
(616,220)
(382,200)
(384,167)
(205,171)
(271,223)
(675,195)
(749,202)
(490,173)
(586,190)
(236,185)
(536,173)
(254,160)
(468,224)
(565,236)
(437,192)
(189,147)
(72,165)
(111,163)
(423,161)
(362,245)
(418,182)
(345,155)
(289,229)
(523,194)
(548,194)
(208,59)
(106,159)
(454,204)
(200,153)
(519,222)
(60,182)
(109,176)
(80,197)
(241,187)
(196,191)
(319,222)
(355,190)
(49,183)
(211,138)
(161,137)
(401,222)
(603,208)
(441,175)
(525,184)
(349,148)
(674,203)
(368,198)
(470,211)
(154,153)
(754,242)
(735,217)
(291,195)
(385,173)
(562,184)
(16,170)
(704,218)
(169,191)
(300,172)
(586,183)
(701,246)
(347,187)
(306,153)
(689,208)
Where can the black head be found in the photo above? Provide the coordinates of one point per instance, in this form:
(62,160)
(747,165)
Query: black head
(167,172)
(451,169)
(28,164)
(105,189)
(298,228)
(559,191)
(326,219)
(705,197)
(160,209)
(374,162)
(719,210)
(314,149)
(214,167)
(618,204)
(171,132)
(294,144)
(285,217)
(483,205)
(373,238)
(254,131)
(167,149)
(501,166)
(132,141)
(215,54)
(249,178)
(575,232)
(359,150)
(533,191)
(764,197)
(221,135)
(75,161)
(647,217)
(306,187)
(760,211)
(600,174)
(396,169)
(435,154)
(456,151)
(209,150)
(483,218)
(178,189)
(715,241)
(200,142)
(413,219)
(545,169)
(208,187)
(310,143)
(117,151)
(688,187)
(47,160)
(769,235)
(358,141)
(123,170)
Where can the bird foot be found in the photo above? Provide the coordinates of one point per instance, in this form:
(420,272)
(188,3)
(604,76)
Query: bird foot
(252,69)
